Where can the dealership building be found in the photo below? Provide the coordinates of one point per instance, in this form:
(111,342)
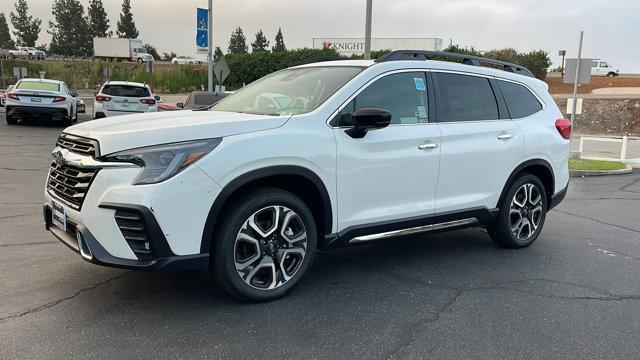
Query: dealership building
(350,46)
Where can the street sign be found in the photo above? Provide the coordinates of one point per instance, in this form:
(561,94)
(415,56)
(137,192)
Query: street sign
(221,70)
(20,72)
(570,71)
(202,26)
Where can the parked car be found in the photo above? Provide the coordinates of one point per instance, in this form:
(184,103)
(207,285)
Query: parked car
(3,95)
(27,52)
(81,106)
(41,99)
(182,60)
(361,150)
(602,68)
(165,106)
(122,98)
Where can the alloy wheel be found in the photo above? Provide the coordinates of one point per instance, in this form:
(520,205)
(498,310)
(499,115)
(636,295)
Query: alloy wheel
(525,213)
(270,247)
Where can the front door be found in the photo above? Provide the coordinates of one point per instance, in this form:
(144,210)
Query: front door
(390,173)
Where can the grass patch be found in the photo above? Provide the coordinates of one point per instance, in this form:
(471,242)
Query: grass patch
(576,163)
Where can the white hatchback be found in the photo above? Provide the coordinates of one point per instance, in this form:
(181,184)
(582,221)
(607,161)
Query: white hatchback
(122,98)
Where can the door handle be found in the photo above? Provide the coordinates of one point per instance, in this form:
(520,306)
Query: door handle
(505,136)
(427,146)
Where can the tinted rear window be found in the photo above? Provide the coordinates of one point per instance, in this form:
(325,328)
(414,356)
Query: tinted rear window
(125,91)
(465,98)
(37,85)
(520,101)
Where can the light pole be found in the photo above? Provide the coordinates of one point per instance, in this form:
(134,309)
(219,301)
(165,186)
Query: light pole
(575,82)
(367,31)
(210,43)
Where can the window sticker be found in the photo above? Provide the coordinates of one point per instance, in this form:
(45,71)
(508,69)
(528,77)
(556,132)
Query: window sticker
(420,85)
(422,112)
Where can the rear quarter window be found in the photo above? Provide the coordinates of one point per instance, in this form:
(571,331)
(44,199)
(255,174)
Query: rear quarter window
(520,101)
(465,98)
(125,91)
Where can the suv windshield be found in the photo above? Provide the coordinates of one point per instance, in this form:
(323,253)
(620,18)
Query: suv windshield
(295,91)
(125,91)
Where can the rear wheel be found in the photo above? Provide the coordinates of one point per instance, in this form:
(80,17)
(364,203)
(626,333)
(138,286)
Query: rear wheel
(264,244)
(10,120)
(521,214)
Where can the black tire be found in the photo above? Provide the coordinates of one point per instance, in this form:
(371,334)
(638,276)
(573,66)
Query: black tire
(139,61)
(223,259)
(501,230)
(10,120)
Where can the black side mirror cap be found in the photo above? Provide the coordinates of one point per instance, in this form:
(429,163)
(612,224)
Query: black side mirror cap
(366,119)
(180,105)
(157,97)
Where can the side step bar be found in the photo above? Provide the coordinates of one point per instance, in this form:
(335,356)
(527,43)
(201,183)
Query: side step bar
(415,230)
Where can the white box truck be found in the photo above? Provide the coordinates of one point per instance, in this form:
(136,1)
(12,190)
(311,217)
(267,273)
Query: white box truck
(121,48)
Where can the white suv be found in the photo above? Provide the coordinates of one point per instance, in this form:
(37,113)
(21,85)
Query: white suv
(122,98)
(360,150)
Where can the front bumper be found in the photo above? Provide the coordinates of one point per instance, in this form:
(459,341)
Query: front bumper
(79,239)
(37,111)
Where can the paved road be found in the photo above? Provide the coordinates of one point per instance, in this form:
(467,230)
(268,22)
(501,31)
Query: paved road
(574,294)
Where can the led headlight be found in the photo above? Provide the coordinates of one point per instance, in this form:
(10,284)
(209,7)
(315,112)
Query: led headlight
(160,162)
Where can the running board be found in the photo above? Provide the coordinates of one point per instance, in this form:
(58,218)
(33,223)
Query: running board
(415,230)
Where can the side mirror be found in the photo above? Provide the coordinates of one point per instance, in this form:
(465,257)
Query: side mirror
(180,105)
(74,94)
(157,97)
(366,119)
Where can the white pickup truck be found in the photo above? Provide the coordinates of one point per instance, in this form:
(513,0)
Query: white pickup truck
(600,67)
(27,52)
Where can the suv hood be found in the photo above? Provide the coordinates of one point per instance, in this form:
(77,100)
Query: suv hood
(132,131)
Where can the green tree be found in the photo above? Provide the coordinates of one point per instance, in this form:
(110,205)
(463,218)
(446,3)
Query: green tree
(5,37)
(69,30)
(261,43)
(126,26)
(152,51)
(27,27)
(217,54)
(97,20)
(238,43)
(279,46)
(168,56)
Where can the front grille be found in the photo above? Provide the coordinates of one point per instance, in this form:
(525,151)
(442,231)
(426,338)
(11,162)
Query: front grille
(70,183)
(133,228)
(78,145)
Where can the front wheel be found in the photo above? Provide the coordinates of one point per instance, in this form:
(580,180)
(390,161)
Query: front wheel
(521,214)
(264,244)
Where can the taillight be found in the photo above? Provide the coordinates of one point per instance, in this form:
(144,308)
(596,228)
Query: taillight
(564,128)
(13,96)
(101,98)
(148,101)
(59,99)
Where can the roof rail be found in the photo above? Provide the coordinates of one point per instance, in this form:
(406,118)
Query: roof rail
(466,59)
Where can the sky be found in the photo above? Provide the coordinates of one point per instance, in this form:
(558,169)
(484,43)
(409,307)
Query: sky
(611,27)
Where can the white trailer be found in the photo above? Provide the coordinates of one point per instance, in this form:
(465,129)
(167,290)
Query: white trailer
(350,46)
(121,48)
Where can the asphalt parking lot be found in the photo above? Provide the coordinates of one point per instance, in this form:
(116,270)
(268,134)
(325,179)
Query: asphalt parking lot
(574,294)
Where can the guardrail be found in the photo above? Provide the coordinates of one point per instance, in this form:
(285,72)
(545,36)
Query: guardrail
(624,140)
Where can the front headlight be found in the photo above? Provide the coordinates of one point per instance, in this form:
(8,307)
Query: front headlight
(161,162)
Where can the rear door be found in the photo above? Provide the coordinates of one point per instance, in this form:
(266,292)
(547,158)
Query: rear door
(125,98)
(481,145)
(390,173)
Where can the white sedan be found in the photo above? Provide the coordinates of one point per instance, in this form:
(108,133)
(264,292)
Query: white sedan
(41,99)
(182,60)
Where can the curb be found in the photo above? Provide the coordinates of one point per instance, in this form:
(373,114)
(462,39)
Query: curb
(582,173)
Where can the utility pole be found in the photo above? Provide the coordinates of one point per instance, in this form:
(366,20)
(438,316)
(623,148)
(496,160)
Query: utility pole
(367,31)
(575,81)
(210,45)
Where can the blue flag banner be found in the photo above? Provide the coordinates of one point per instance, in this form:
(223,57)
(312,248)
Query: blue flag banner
(202,26)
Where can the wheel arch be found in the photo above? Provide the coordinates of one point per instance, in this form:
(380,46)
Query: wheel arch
(538,167)
(299,180)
